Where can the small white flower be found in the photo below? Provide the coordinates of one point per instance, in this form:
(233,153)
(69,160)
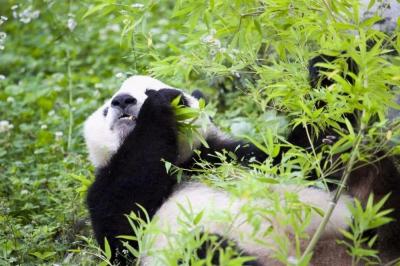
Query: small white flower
(5,126)
(2,77)
(10,99)
(71,24)
(163,21)
(217,43)
(155,31)
(3,19)
(79,100)
(293,261)
(35,14)
(1,47)
(164,38)
(98,85)
(120,75)
(3,36)
(51,113)
(58,135)
(14,7)
(24,192)
(207,39)
(137,5)
(43,127)
(236,74)
(27,15)
(114,28)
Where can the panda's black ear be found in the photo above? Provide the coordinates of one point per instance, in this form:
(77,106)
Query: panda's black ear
(198,95)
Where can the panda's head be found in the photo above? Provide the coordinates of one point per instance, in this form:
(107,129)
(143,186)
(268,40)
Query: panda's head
(108,126)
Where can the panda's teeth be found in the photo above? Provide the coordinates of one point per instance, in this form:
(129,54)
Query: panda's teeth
(131,117)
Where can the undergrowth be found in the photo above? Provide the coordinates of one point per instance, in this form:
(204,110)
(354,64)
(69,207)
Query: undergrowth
(59,60)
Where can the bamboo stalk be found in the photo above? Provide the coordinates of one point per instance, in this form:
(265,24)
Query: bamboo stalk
(338,193)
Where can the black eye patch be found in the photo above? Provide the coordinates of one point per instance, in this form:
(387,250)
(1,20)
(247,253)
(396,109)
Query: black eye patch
(105,111)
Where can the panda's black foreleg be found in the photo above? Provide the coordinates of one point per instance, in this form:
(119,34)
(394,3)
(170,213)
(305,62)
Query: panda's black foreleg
(239,150)
(136,174)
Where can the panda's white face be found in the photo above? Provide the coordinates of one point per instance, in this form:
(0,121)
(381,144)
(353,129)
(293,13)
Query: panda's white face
(107,127)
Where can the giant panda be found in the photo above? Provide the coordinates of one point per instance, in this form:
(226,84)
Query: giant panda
(130,137)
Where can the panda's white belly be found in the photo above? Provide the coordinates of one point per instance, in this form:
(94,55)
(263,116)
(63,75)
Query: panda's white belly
(224,215)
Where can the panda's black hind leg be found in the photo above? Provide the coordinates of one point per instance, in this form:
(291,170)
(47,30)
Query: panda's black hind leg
(217,244)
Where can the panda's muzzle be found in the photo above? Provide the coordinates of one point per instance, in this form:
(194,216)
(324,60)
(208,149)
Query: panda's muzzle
(124,103)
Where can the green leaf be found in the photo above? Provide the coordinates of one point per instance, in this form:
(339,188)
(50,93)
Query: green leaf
(43,255)
(94,9)
(107,249)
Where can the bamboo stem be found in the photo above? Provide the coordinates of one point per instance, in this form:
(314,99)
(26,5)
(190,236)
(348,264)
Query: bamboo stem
(338,193)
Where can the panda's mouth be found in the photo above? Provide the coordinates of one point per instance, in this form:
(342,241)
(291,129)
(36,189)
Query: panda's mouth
(127,117)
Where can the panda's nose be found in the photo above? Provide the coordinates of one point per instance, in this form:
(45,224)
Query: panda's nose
(123,101)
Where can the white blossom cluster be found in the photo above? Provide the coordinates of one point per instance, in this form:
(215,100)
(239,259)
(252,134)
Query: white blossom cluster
(71,23)
(3,35)
(5,126)
(58,135)
(137,5)
(26,15)
(3,19)
(211,40)
(215,45)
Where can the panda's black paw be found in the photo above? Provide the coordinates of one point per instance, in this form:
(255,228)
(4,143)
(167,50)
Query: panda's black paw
(157,107)
(168,95)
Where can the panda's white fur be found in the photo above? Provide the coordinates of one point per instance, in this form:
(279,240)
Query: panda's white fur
(212,202)
(388,10)
(103,138)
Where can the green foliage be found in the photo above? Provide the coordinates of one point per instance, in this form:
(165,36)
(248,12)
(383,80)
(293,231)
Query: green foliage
(365,218)
(61,59)
(53,78)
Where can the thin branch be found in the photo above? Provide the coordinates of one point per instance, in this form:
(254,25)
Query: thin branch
(70,111)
